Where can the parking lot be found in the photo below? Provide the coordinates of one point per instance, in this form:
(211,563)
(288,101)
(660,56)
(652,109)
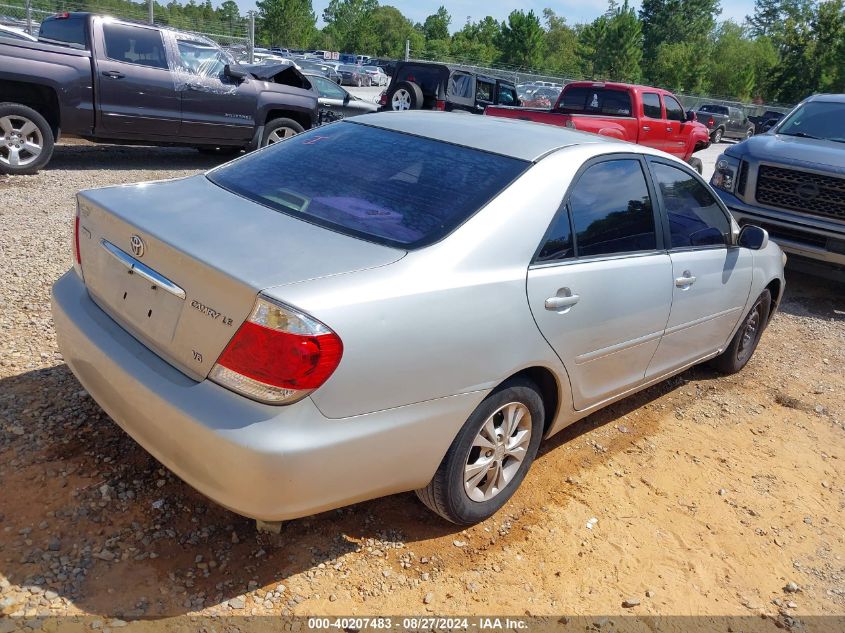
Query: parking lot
(710,494)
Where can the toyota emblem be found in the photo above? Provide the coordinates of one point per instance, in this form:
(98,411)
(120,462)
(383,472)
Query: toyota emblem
(137,245)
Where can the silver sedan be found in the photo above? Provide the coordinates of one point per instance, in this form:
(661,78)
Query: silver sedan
(289,338)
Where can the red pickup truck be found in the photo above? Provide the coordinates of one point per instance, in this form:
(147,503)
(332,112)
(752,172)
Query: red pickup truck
(639,114)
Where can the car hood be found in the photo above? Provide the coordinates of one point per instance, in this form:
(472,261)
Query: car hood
(812,153)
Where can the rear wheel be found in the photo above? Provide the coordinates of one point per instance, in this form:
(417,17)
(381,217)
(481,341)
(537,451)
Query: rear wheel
(749,132)
(696,164)
(280,129)
(744,342)
(406,96)
(26,140)
(716,136)
(490,457)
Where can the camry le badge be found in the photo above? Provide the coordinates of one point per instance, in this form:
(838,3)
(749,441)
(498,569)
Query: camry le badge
(137,245)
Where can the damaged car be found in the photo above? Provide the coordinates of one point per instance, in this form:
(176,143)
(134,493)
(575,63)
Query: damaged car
(117,81)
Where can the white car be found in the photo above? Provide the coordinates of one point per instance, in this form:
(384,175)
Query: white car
(377,75)
(16,33)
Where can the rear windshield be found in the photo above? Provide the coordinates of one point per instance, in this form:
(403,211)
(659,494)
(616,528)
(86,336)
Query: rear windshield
(400,190)
(595,100)
(714,109)
(70,30)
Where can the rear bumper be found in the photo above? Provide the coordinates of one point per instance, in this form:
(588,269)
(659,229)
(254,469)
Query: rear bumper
(795,234)
(270,463)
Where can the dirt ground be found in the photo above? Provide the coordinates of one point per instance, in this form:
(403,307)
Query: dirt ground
(712,495)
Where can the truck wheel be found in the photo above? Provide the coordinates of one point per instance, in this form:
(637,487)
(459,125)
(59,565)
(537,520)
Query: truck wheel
(749,132)
(490,455)
(26,140)
(405,96)
(716,136)
(696,164)
(280,129)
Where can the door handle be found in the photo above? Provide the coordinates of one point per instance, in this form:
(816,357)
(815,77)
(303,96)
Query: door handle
(646,128)
(113,74)
(685,281)
(562,301)
(670,129)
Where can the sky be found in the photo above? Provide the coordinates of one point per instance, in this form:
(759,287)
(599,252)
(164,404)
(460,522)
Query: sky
(575,11)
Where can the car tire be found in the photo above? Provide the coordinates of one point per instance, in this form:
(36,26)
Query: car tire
(22,130)
(463,501)
(749,132)
(406,95)
(358,82)
(696,164)
(744,342)
(716,136)
(280,129)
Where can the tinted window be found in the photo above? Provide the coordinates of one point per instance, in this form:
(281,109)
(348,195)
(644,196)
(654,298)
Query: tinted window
(651,105)
(611,209)
(695,218)
(558,241)
(401,190)
(134,45)
(484,91)
(714,109)
(460,85)
(674,111)
(591,100)
(507,96)
(66,30)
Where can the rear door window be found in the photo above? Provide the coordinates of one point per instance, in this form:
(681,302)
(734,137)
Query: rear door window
(401,190)
(507,96)
(611,210)
(134,45)
(460,86)
(484,91)
(596,100)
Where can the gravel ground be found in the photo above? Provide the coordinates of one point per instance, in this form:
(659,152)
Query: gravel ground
(702,495)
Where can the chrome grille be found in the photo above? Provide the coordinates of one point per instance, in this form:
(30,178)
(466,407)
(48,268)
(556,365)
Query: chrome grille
(801,191)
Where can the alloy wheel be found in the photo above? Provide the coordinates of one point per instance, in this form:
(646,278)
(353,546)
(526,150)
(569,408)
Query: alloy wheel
(497,451)
(280,134)
(21,142)
(401,100)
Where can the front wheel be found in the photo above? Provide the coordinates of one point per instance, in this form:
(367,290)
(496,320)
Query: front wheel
(490,457)
(744,342)
(280,129)
(26,140)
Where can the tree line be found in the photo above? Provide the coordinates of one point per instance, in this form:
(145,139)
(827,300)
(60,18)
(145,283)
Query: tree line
(782,52)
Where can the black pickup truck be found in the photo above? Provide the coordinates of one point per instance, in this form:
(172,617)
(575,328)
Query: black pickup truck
(114,81)
(724,122)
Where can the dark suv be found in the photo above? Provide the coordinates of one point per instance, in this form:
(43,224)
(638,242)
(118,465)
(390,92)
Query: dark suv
(427,86)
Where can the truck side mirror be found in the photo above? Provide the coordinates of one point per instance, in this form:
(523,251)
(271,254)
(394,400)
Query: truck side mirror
(234,73)
(691,115)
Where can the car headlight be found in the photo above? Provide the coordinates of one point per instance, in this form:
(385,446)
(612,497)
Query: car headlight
(726,173)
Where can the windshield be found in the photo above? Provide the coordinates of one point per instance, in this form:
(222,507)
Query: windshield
(348,69)
(401,190)
(816,119)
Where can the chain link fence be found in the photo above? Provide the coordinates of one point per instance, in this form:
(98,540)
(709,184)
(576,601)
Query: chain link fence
(522,75)
(27,15)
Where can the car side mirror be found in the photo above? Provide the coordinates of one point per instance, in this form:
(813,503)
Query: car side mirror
(753,237)
(691,115)
(234,73)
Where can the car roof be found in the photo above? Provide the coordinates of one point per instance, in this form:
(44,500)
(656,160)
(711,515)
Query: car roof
(508,137)
(831,98)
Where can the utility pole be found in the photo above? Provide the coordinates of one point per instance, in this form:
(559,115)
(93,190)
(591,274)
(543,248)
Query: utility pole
(151,7)
(29,16)
(252,37)
(407,50)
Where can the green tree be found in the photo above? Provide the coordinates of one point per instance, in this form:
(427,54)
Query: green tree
(436,26)
(390,29)
(521,41)
(476,42)
(740,66)
(285,22)
(562,46)
(348,24)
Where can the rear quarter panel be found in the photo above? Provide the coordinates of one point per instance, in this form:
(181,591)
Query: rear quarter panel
(448,319)
(64,70)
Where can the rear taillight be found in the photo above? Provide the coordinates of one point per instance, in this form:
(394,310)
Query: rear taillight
(711,122)
(77,255)
(278,356)
(440,105)
(383,99)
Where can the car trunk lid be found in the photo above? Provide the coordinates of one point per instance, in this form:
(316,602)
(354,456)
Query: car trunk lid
(179,263)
